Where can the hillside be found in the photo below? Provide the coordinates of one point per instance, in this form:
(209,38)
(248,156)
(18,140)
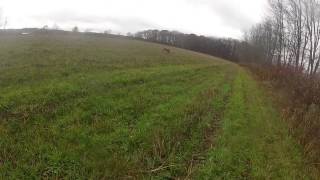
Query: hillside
(95,107)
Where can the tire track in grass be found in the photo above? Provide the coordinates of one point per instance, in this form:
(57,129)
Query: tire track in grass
(211,130)
(148,121)
(255,143)
(198,76)
(193,129)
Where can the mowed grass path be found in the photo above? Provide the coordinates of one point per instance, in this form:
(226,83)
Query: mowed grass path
(80,106)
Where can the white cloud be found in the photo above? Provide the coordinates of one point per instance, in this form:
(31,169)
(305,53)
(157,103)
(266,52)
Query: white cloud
(208,17)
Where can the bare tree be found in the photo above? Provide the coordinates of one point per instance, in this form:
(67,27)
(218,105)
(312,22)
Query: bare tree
(290,36)
(55,26)
(75,29)
(45,27)
(0,17)
(109,31)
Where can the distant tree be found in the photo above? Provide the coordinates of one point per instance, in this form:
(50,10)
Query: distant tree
(5,23)
(88,30)
(45,27)
(129,34)
(75,29)
(224,48)
(55,26)
(109,31)
(0,18)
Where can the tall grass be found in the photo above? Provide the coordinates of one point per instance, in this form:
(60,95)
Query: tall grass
(299,97)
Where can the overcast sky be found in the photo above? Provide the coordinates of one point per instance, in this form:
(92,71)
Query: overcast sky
(221,18)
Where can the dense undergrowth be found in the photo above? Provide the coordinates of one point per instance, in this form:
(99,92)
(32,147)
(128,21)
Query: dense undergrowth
(254,142)
(298,95)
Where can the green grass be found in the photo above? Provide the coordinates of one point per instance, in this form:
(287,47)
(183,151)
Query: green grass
(255,142)
(91,107)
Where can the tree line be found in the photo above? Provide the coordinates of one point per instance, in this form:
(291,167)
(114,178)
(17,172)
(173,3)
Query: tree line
(286,47)
(220,47)
(288,37)
(3,21)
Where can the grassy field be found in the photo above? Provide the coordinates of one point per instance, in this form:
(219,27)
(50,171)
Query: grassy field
(95,107)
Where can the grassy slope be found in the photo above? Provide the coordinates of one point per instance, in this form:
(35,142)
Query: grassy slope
(96,107)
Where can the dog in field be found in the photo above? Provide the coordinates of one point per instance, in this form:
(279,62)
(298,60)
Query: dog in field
(166,50)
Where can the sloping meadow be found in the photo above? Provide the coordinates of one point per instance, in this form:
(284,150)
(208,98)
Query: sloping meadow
(76,106)
(100,107)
